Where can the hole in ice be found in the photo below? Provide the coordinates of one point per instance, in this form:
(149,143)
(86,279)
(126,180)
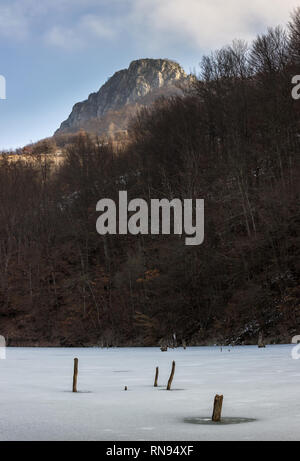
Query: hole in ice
(121,371)
(171,390)
(79,392)
(224,421)
(163,386)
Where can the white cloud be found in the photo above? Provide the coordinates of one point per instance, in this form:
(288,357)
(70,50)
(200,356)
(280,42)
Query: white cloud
(63,38)
(24,18)
(12,23)
(202,24)
(89,28)
(210,23)
(96,26)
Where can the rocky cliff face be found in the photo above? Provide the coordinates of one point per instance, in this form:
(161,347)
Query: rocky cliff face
(141,83)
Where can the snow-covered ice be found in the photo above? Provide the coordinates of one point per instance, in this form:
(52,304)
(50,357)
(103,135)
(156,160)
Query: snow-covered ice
(37,403)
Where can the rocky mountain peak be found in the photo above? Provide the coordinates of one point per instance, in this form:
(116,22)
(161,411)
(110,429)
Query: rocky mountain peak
(143,77)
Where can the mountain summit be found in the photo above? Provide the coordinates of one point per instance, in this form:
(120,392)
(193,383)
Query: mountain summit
(110,108)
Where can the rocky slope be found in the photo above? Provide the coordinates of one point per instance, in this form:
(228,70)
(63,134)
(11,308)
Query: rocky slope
(124,93)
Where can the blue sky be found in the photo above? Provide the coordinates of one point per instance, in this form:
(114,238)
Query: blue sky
(55,52)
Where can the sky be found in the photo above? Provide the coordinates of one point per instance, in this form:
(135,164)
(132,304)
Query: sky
(54,53)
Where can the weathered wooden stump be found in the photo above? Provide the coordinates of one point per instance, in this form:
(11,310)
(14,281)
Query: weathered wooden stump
(156,377)
(75,375)
(171,376)
(217,412)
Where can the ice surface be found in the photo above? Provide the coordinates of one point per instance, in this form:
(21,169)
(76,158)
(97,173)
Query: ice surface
(37,403)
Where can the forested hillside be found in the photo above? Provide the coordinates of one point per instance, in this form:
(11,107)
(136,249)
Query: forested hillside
(233,139)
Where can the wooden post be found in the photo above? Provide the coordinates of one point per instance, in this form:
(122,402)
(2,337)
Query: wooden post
(125,389)
(171,376)
(75,375)
(156,377)
(216,417)
(261,342)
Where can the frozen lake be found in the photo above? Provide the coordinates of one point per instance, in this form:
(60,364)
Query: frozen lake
(37,403)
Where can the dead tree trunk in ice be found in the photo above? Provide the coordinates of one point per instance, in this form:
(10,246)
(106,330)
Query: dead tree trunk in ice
(171,376)
(75,375)
(156,377)
(217,412)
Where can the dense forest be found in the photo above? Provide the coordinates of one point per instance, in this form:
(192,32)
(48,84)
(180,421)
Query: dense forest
(233,139)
